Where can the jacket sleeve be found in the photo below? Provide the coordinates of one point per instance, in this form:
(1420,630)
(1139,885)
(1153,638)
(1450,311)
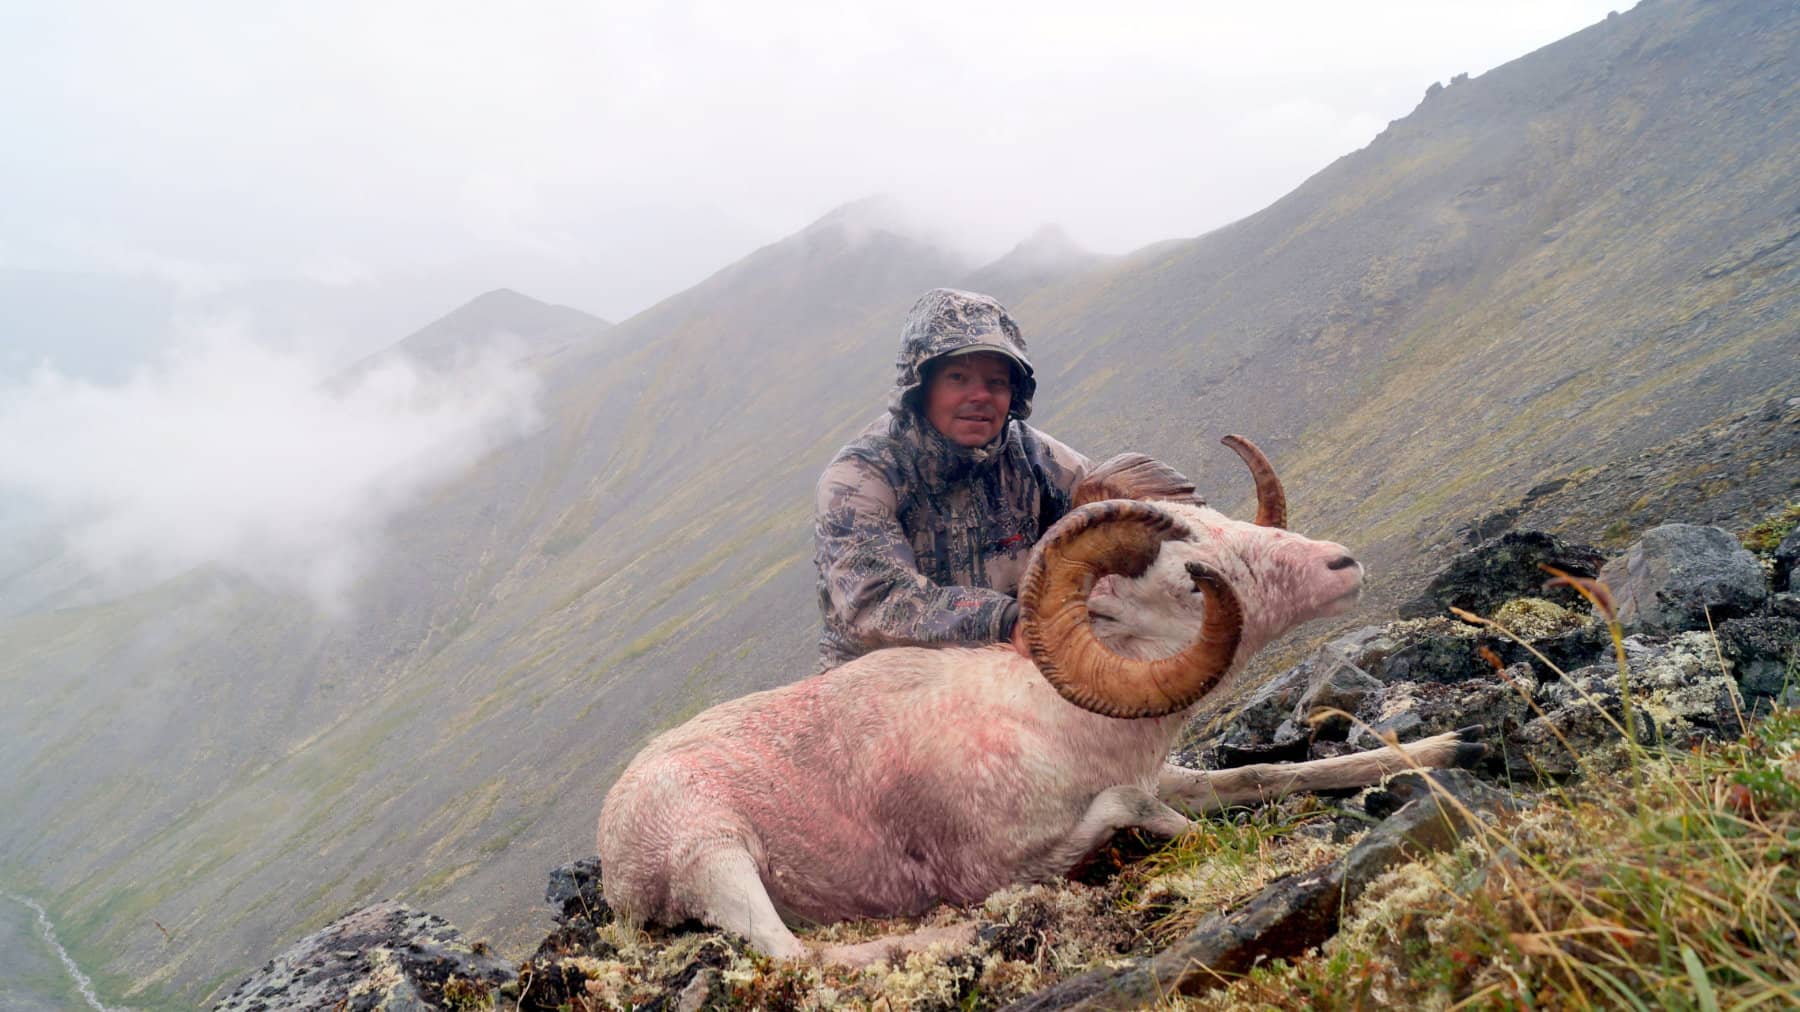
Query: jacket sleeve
(871,592)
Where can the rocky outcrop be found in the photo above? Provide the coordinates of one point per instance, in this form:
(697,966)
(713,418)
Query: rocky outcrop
(1502,569)
(1542,676)
(388,956)
(1537,668)
(1294,913)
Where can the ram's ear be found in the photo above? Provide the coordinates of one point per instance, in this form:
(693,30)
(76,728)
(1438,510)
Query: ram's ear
(1134,476)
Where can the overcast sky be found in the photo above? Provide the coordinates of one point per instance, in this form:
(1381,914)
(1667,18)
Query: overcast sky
(606,155)
(258,193)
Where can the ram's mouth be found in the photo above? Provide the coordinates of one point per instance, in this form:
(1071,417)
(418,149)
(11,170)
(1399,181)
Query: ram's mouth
(1344,601)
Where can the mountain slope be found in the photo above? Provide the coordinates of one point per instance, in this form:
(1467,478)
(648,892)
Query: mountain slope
(259,768)
(1577,255)
(1560,263)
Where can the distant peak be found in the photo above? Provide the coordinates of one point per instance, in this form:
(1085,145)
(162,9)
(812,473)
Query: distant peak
(873,211)
(1049,250)
(503,297)
(881,213)
(1049,240)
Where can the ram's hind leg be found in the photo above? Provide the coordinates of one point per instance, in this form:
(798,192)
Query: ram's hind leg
(1203,791)
(724,889)
(859,954)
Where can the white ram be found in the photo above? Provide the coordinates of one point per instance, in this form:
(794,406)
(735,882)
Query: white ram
(913,776)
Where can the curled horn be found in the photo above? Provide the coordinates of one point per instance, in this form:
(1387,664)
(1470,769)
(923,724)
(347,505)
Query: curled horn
(1271,501)
(1119,537)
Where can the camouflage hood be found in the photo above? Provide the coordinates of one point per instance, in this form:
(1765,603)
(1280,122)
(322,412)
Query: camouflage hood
(945,321)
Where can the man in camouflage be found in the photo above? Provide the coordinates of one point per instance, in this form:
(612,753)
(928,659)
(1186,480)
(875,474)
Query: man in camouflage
(923,524)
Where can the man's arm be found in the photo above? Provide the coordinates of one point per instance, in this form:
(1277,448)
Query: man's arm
(1061,466)
(870,589)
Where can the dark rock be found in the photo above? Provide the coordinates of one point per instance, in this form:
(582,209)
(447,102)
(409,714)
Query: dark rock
(1341,689)
(1293,750)
(1417,710)
(1677,573)
(1763,650)
(386,956)
(1787,558)
(1496,571)
(574,893)
(1259,718)
(574,890)
(1787,605)
(1491,526)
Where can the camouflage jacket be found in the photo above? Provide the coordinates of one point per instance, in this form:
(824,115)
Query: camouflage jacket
(921,541)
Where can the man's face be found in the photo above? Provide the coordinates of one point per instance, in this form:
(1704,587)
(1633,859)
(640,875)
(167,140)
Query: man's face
(966,397)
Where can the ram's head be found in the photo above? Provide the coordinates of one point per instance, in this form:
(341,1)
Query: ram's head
(1142,600)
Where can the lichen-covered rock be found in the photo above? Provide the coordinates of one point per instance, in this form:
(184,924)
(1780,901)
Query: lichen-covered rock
(1507,567)
(1679,693)
(1677,574)
(386,957)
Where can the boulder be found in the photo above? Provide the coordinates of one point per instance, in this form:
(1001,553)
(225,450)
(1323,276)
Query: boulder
(1678,573)
(1507,567)
(387,956)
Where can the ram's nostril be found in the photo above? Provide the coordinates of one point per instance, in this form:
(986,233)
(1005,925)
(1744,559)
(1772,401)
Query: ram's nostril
(1341,562)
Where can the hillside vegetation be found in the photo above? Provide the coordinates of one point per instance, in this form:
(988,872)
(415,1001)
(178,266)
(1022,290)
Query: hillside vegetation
(1578,256)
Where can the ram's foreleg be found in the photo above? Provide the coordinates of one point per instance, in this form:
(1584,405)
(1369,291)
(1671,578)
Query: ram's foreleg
(1203,791)
(1123,807)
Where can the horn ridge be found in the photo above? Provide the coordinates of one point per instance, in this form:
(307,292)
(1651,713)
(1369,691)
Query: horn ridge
(1124,537)
(1271,499)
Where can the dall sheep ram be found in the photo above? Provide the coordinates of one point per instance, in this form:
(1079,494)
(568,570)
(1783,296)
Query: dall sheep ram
(913,776)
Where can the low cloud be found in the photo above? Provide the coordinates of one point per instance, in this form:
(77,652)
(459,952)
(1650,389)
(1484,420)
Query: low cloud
(229,454)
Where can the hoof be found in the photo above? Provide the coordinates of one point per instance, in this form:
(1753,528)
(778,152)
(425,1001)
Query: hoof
(1469,747)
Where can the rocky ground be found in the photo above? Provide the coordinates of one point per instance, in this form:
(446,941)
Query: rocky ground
(1709,636)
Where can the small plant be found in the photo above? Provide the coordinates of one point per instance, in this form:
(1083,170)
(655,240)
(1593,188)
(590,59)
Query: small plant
(1766,536)
(464,995)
